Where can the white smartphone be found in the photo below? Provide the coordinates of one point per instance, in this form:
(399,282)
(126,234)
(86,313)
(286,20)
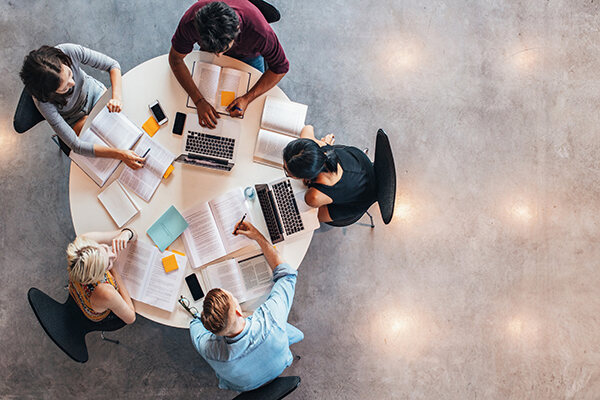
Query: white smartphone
(158,113)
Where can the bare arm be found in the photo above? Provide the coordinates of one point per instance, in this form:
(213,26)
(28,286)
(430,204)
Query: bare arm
(103,237)
(271,254)
(106,297)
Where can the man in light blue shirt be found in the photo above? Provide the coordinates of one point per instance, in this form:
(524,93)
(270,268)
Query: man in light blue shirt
(247,353)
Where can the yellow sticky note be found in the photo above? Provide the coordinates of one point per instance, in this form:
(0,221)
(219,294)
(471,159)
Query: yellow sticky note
(227,98)
(151,126)
(168,171)
(170,263)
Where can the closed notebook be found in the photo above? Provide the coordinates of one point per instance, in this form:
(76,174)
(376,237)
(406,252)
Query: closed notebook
(167,228)
(119,204)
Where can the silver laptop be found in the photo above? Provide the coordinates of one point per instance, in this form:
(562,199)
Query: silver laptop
(210,148)
(284,209)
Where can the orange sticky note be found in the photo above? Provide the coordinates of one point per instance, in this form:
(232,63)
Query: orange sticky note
(151,126)
(170,263)
(168,171)
(227,98)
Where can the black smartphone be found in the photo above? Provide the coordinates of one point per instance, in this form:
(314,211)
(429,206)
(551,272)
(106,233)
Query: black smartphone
(194,286)
(179,123)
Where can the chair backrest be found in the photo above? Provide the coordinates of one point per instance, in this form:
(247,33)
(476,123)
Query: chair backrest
(26,115)
(276,390)
(63,323)
(385,173)
(269,11)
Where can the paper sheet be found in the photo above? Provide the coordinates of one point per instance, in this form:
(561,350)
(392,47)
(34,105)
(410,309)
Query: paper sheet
(201,239)
(269,147)
(144,181)
(283,116)
(228,209)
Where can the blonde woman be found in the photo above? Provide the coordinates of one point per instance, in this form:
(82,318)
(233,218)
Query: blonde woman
(96,288)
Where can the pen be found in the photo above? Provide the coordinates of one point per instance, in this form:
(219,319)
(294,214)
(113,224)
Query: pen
(146,153)
(238,225)
(236,108)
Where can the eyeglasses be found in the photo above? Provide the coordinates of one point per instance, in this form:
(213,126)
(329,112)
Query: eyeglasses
(185,303)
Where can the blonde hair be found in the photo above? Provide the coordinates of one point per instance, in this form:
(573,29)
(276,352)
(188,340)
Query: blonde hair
(86,264)
(215,311)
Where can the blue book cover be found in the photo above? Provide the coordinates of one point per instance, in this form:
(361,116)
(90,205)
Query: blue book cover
(167,228)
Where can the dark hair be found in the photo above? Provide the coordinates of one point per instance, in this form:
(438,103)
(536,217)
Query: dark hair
(41,74)
(305,159)
(218,25)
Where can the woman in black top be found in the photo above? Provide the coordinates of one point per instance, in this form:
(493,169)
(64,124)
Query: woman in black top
(341,179)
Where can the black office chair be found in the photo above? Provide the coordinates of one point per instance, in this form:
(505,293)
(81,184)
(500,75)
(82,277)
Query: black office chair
(27,115)
(270,13)
(276,390)
(66,325)
(385,175)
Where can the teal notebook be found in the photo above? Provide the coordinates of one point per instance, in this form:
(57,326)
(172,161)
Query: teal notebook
(167,228)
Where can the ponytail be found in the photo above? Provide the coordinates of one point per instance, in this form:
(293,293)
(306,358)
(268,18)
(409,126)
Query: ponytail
(305,159)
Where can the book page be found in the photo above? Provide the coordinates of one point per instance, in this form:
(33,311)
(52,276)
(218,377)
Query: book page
(206,77)
(269,147)
(162,289)
(226,275)
(132,265)
(118,203)
(201,238)
(100,168)
(257,276)
(228,209)
(283,116)
(115,129)
(144,181)
(228,89)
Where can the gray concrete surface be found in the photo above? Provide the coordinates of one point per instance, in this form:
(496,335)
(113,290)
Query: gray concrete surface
(485,284)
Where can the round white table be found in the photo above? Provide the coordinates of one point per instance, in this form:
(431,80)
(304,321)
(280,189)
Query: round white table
(187,185)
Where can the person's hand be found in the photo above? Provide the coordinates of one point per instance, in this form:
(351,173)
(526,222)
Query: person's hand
(329,139)
(247,229)
(120,242)
(131,159)
(114,105)
(238,106)
(207,115)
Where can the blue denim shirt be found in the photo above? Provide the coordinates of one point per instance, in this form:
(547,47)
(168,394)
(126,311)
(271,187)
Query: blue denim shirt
(261,351)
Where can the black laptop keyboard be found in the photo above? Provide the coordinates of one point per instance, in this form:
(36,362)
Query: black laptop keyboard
(265,198)
(288,209)
(210,145)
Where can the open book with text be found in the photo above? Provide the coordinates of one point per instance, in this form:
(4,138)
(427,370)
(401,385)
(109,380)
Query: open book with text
(209,235)
(143,273)
(111,130)
(144,181)
(246,279)
(282,121)
(219,85)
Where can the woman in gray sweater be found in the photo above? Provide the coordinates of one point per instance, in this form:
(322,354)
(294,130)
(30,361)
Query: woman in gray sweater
(65,94)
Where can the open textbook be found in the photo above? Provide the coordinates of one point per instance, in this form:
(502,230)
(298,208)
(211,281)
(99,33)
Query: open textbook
(119,204)
(282,121)
(246,279)
(107,129)
(144,181)
(219,85)
(144,275)
(209,235)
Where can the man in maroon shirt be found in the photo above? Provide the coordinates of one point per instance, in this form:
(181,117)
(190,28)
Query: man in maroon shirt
(235,28)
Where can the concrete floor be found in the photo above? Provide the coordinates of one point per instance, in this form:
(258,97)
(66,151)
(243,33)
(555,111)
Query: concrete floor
(485,284)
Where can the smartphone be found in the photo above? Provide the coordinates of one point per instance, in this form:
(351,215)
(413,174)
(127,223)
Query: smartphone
(158,113)
(179,123)
(194,286)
